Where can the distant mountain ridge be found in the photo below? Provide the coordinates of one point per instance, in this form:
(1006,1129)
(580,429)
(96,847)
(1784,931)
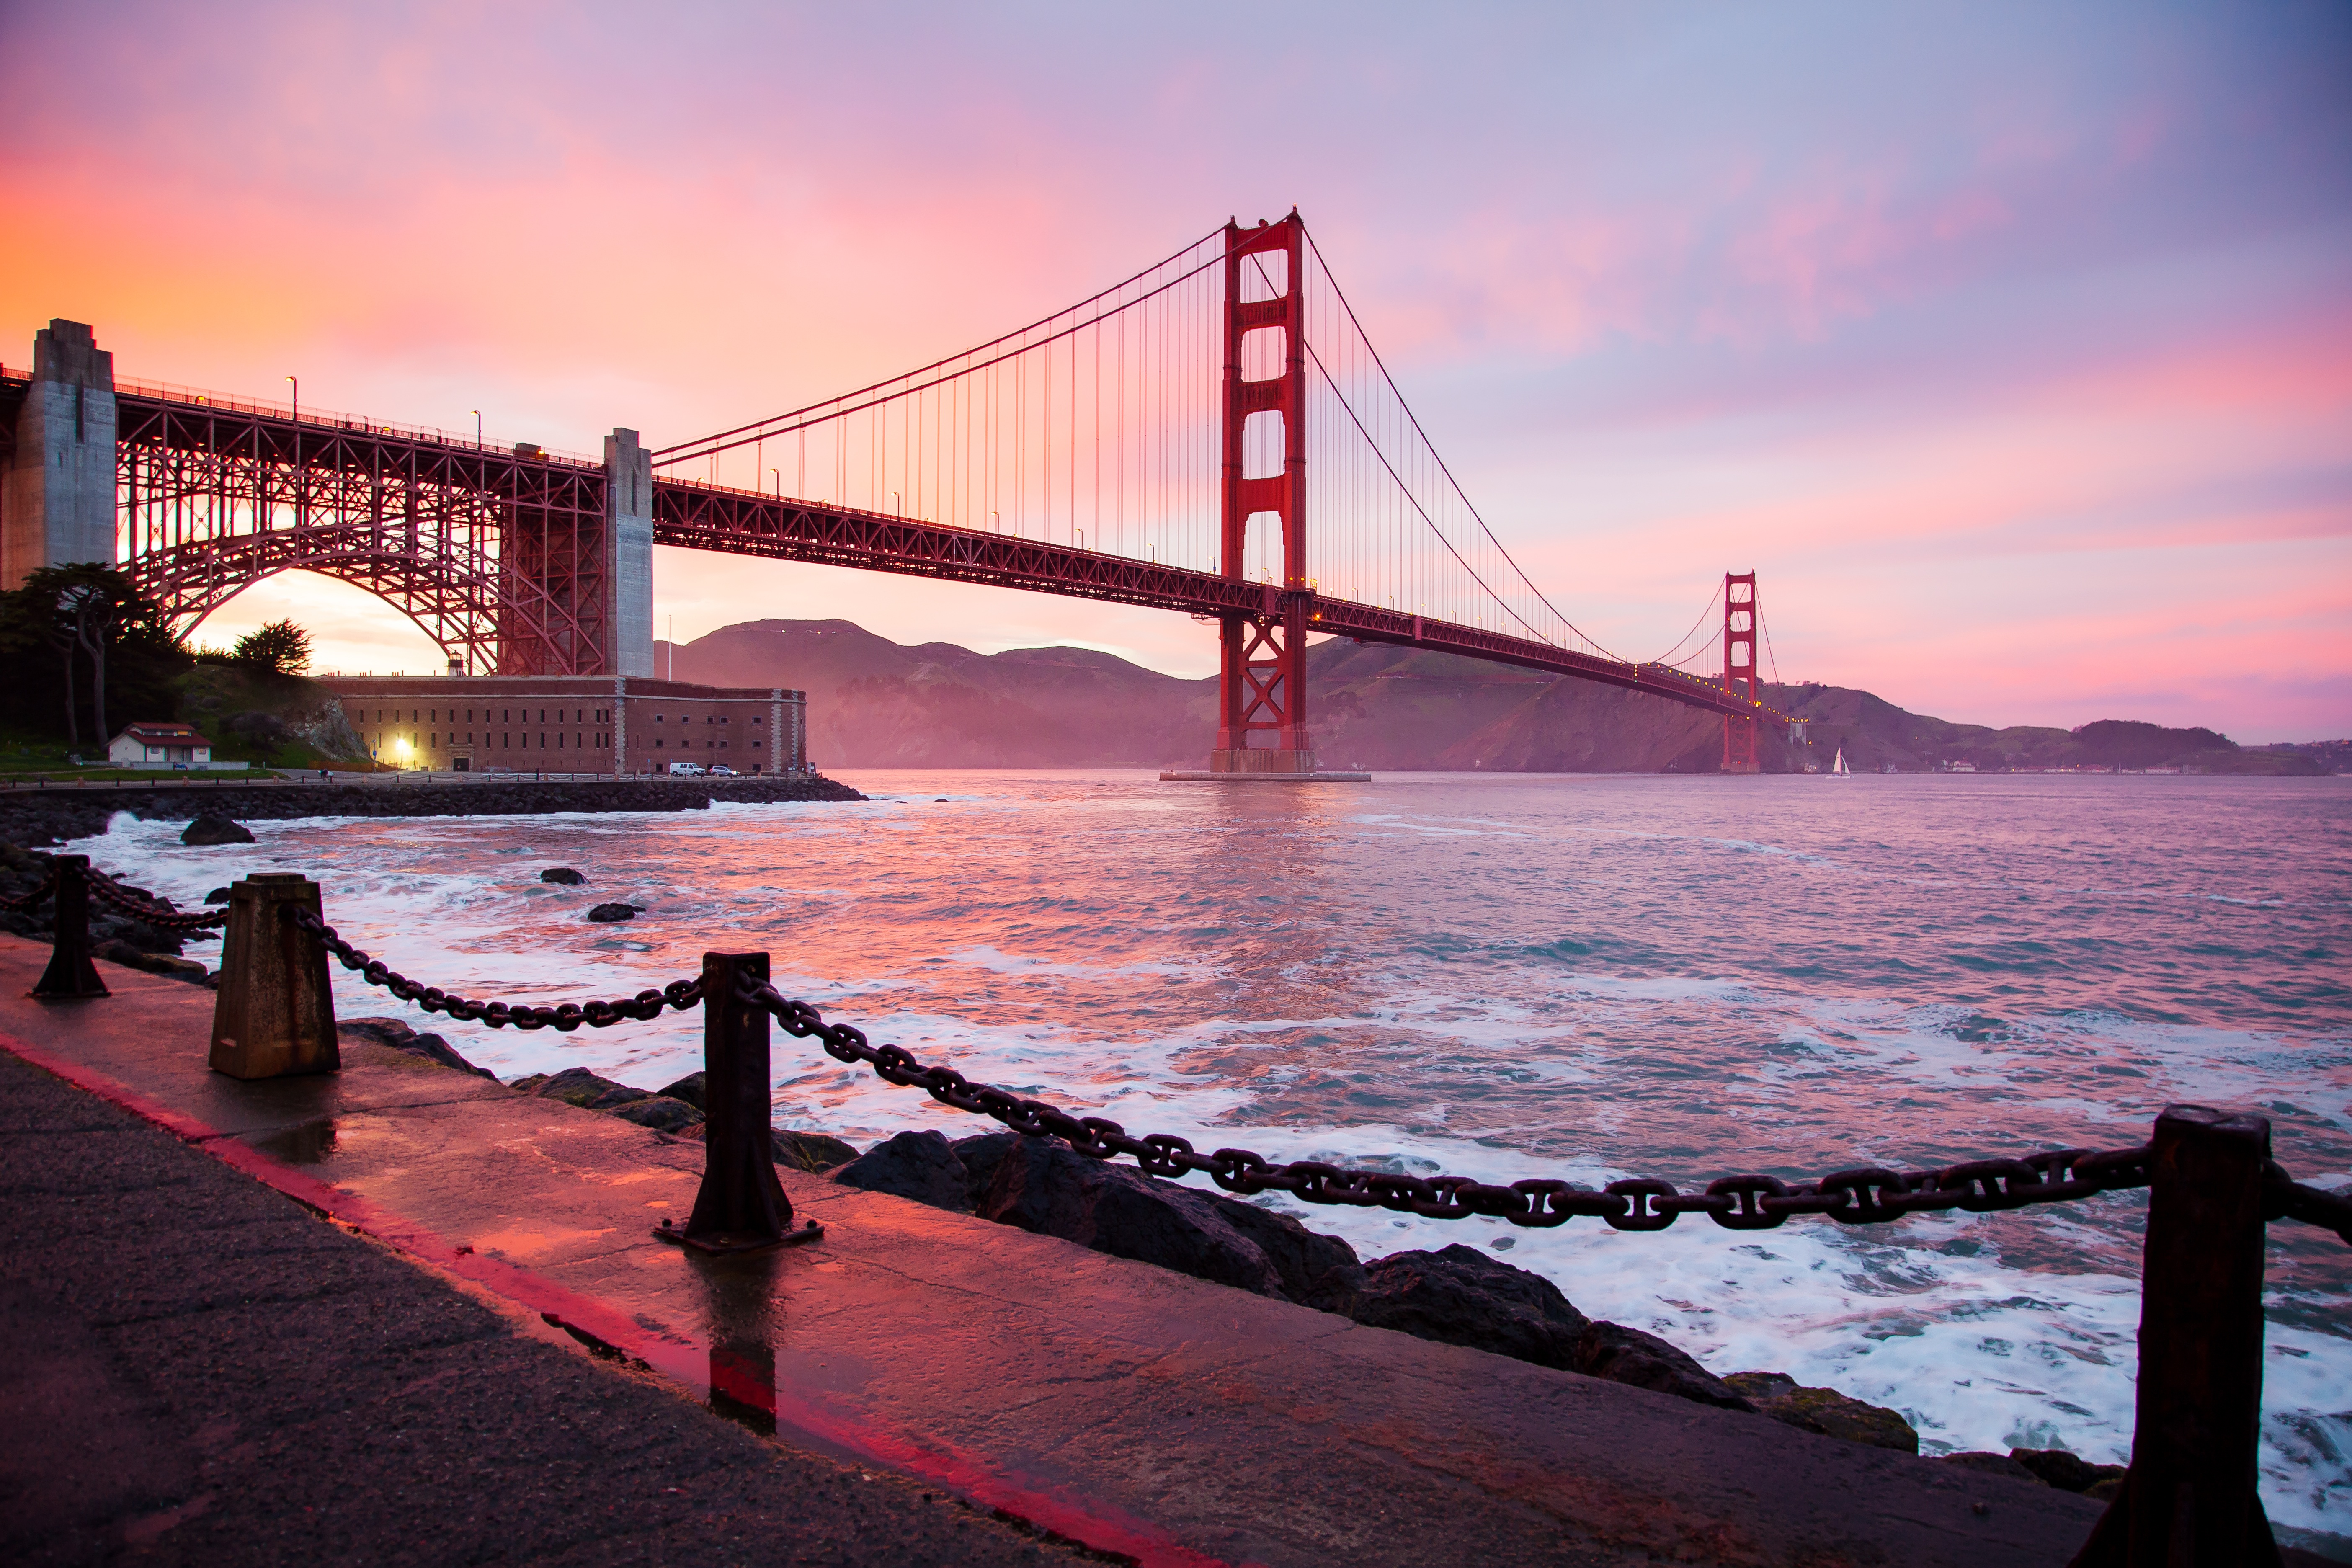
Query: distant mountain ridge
(875,703)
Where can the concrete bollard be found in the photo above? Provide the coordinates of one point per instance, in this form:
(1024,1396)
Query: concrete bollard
(741,1206)
(275,1015)
(2189,1498)
(70,974)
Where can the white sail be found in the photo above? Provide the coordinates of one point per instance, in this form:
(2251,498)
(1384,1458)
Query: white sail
(1839,766)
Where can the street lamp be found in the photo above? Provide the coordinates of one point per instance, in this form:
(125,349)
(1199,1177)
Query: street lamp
(779,476)
(477,425)
(298,396)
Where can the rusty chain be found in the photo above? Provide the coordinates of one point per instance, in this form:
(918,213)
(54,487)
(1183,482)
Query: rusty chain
(151,911)
(32,900)
(1870,1195)
(566,1016)
(1866,1196)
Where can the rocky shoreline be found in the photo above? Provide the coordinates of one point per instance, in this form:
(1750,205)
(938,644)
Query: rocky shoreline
(47,818)
(1455,1295)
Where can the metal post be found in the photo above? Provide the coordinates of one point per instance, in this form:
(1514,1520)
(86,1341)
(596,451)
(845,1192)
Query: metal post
(2189,1500)
(275,1015)
(741,1206)
(70,974)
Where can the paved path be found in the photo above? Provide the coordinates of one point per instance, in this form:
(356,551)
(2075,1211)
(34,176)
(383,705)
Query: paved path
(1140,1412)
(201,1372)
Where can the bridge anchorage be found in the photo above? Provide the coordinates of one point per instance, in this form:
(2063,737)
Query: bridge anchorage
(1161,443)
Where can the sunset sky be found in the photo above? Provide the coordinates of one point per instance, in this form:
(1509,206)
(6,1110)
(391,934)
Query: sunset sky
(2011,344)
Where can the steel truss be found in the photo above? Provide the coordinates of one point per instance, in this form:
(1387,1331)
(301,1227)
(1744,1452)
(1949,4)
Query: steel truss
(743,522)
(500,558)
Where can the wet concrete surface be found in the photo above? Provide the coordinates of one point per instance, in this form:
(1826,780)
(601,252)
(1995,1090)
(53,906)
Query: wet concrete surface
(201,1372)
(1143,1413)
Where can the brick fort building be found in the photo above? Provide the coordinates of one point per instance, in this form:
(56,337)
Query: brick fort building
(566,723)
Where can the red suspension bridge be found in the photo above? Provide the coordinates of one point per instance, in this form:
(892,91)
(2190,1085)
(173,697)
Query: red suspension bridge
(1162,442)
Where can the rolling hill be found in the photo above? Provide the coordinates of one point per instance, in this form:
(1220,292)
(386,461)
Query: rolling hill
(875,703)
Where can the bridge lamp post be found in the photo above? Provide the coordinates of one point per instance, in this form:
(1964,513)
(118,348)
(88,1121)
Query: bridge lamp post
(779,476)
(298,397)
(477,425)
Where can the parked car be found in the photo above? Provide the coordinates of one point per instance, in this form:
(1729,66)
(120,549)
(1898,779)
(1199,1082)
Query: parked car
(685,769)
(722,772)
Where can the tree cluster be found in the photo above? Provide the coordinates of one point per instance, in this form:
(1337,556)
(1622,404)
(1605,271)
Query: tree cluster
(86,645)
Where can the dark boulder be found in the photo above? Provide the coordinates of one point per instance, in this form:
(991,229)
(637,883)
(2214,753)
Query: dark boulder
(658,1111)
(981,1154)
(563,874)
(810,1152)
(1459,1295)
(169,965)
(218,896)
(1628,1355)
(1825,1412)
(396,1033)
(1042,1184)
(578,1086)
(433,1047)
(917,1165)
(1316,1271)
(1993,1465)
(2069,1472)
(606,914)
(210,827)
(687,1089)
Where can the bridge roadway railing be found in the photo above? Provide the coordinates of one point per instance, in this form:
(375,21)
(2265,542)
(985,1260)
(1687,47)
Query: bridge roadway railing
(2188,1496)
(745,522)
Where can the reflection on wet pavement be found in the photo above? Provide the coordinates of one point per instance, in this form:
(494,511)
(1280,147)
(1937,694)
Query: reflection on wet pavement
(307,1144)
(741,1320)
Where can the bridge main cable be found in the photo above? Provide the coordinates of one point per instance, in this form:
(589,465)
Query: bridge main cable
(966,362)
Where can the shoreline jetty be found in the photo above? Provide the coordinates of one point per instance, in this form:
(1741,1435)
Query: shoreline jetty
(1104,1404)
(1104,1356)
(46,817)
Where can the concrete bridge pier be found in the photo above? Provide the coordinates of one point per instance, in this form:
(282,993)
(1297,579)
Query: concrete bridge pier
(57,498)
(629,568)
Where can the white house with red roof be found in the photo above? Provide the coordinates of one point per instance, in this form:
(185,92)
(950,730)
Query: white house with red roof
(160,746)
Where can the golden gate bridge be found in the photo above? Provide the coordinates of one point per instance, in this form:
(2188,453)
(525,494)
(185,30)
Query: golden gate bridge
(1215,435)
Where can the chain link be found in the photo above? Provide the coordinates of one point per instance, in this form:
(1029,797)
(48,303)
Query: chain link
(154,913)
(645,1006)
(1866,1196)
(32,900)
(2283,1197)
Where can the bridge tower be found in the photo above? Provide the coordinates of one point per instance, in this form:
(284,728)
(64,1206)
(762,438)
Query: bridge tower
(1740,678)
(1262,670)
(56,500)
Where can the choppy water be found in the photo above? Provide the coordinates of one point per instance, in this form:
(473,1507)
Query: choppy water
(1525,976)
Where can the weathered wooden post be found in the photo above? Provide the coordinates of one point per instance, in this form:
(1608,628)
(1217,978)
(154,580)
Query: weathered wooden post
(2189,1500)
(70,974)
(741,1206)
(275,1015)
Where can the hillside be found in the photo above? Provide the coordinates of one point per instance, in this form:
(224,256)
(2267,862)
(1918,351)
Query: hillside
(875,703)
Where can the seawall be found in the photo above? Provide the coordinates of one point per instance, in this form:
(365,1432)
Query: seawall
(41,817)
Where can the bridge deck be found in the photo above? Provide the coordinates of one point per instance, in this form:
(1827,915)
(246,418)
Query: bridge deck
(744,523)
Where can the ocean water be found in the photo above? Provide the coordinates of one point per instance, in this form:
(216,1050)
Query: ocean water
(1509,977)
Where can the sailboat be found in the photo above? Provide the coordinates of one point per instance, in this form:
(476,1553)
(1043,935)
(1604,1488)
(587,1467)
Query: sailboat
(1838,768)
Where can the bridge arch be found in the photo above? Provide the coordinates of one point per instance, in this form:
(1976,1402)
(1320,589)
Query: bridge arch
(191,586)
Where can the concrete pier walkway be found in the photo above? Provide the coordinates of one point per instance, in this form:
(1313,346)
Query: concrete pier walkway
(1141,1413)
